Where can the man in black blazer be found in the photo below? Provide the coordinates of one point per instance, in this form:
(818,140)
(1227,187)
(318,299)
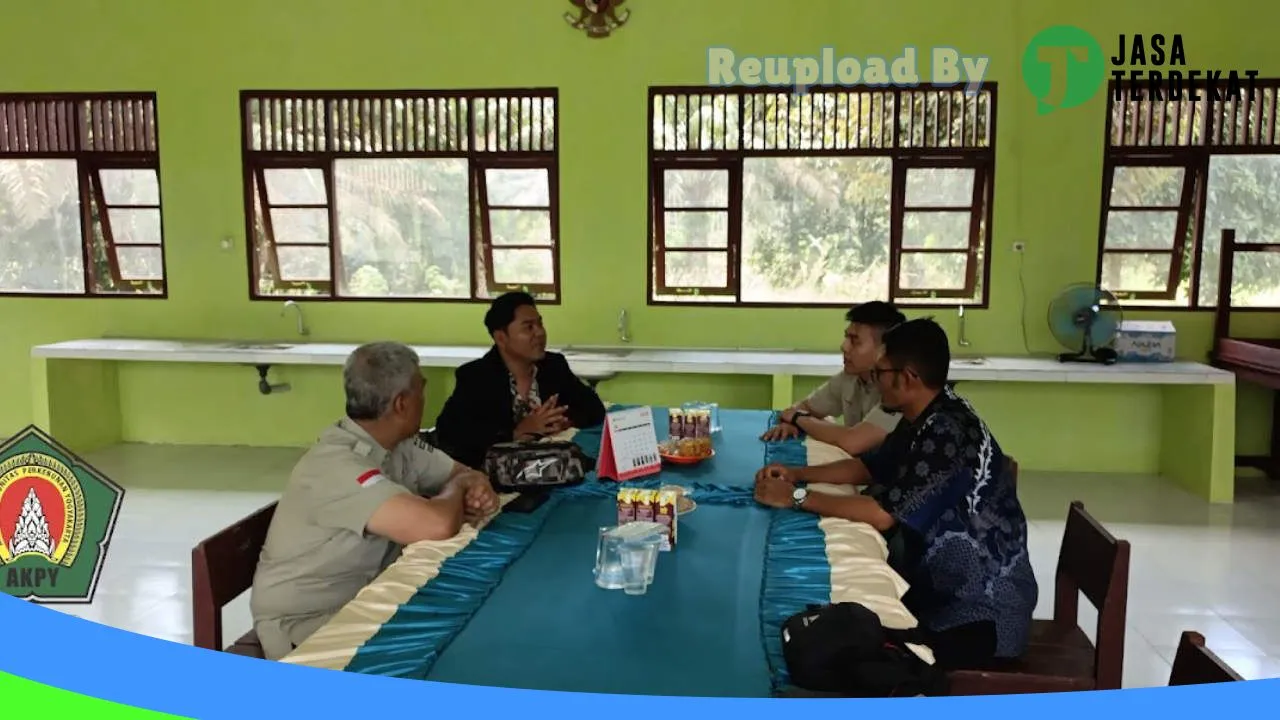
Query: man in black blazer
(517,391)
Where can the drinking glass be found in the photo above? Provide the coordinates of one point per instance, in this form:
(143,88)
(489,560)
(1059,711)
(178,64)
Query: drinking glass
(608,572)
(637,557)
(652,550)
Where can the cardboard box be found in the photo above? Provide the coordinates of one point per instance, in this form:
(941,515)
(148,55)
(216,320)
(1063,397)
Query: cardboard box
(1146,341)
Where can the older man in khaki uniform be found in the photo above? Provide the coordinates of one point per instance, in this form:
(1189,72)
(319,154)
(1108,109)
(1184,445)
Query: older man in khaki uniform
(366,488)
(850,394)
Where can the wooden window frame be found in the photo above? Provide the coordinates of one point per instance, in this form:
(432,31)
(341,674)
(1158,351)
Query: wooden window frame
(894,139)
(479,171)
(980,200)
(1192,181)
(91,177)
(330,117)
(733,225)
(262,198)
(1198,135)
(98,131)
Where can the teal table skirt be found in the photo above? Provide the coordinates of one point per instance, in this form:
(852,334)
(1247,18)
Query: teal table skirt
(518,607)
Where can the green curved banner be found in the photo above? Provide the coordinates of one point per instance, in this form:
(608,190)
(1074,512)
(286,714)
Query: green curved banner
(32,699)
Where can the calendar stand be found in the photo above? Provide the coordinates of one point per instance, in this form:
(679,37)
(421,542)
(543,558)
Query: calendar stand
(629,448)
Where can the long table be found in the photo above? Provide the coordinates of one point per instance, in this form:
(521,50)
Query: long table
(513,604)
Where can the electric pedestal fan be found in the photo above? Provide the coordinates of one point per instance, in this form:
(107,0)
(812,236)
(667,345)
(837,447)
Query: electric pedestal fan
(1087,317)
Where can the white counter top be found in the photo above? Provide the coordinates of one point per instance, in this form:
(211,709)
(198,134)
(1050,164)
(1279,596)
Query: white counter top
(600,361)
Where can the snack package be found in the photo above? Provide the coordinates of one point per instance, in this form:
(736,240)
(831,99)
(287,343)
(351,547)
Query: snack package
(667,515)
(644,504)
(705,424)
(675,423)
(626,506)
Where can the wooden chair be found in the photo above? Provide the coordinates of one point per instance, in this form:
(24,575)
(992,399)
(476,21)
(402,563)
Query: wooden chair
(1060,657)
(1196,664)
(429,436)
(222,569)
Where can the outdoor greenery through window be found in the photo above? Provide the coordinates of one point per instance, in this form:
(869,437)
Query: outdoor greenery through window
(1179,172)
(837,196)
(432,195)
(80,195)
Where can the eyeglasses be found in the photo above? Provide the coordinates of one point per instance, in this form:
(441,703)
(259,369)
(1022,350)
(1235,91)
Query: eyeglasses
(876,372)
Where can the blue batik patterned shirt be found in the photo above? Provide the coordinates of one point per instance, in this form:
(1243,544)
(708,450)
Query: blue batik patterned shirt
(943,477)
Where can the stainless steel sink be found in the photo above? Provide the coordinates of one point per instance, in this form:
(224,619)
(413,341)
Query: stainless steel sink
(571,350)
(256,346)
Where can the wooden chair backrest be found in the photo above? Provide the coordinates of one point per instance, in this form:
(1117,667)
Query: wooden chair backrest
(222,569)
(1095,563)
(1196,664)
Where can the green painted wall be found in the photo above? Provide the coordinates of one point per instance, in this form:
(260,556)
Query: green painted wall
(197,56)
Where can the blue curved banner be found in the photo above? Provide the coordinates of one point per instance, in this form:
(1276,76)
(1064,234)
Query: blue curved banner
(102,662)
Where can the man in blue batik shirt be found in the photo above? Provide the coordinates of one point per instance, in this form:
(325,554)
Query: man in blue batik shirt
(939,491)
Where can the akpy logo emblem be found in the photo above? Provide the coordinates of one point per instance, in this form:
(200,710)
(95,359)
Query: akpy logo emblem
(56,519)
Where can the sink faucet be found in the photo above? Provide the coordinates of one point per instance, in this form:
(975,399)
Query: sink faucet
(302,325)
(963,341)
(623,334)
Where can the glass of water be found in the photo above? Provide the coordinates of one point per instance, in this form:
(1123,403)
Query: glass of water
(639,559)
(608,572)
(652,550)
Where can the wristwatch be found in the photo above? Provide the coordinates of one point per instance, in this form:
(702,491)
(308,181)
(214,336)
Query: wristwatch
(798,496)
(795,417)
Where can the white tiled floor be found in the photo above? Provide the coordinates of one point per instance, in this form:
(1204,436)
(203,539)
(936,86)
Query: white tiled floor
(1194,566)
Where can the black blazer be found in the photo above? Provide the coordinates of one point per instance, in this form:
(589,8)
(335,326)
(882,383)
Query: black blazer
(478,413)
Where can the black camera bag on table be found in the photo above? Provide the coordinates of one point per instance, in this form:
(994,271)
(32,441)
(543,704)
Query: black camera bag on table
(522,466)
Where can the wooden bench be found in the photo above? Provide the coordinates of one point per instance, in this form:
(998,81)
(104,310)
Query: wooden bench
(222,569)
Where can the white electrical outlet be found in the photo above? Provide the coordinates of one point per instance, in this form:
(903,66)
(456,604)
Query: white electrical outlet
(1019,247)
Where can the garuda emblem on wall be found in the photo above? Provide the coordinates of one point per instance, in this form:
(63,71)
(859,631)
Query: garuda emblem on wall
(598,18)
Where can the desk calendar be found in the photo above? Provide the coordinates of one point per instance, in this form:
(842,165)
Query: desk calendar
(629,448)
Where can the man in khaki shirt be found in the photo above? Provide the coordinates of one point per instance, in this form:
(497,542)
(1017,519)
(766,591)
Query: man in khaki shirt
(851,394)
(366,488)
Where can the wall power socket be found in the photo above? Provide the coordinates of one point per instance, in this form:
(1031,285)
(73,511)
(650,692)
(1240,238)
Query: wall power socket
(1019,246)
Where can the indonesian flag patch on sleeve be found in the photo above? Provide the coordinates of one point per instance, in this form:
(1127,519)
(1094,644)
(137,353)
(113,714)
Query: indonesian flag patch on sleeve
(372,477)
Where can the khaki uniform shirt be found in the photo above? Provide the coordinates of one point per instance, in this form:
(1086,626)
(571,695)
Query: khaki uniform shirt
(317,554)
(849,397)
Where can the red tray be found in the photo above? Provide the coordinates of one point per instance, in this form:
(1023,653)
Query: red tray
(685,459)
